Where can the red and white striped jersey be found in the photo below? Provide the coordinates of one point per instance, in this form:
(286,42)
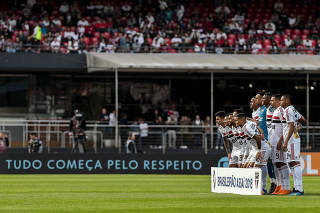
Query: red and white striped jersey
(276,123)
(290,115)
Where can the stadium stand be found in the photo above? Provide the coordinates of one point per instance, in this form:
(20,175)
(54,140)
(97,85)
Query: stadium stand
(257,26)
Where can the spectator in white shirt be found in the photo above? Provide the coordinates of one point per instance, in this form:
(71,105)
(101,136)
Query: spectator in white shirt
(223,9)
(180,12)
(157,42)
(83,22)
(278,6)
(30,3)
(176,41)
(102,46)
(138,38)
(239,18)
(292,20)
(256,47)
(55,45)
(126,8)
(163,5)
(112,118)
(219,50)
(288,42)
(150,18)
(108,9)
(12,22)
(144,131)
(64,8)
(68,34)
(307,43)
(46,22)
(234,27)
(56,21)
(220,35)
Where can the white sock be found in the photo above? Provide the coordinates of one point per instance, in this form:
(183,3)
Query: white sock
(298,173)
(294,177)
(285,177)
(264,177)
(277,173)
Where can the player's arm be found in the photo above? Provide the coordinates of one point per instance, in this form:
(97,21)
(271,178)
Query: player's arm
(258,139)
(261,132)
(290,132)
(227,146)
(302,119)
(279,144)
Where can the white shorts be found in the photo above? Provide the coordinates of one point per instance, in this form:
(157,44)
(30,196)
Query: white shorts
(252,156)
(235,156)
(293,152)
(276,155)
(265,155)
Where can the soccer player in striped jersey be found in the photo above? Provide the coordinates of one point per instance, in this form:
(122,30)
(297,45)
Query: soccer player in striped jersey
(241,138)
(269,112)
(222,128)
(259,153)
(276,138)
(291,142)
(236,142)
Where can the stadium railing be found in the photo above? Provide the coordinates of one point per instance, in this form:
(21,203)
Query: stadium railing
(101,137)
(167,49)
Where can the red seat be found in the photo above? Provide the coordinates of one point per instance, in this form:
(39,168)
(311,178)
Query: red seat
(266,42)
(287,31)
(232,36)
(277,37)
(168,42)
(86,40)
(305,32)
(63,50)
(296,32)
(106,35)
(95,41)
(304,37)
(191,50)
(96,34)
(309,52)
(150,41)
(230,42)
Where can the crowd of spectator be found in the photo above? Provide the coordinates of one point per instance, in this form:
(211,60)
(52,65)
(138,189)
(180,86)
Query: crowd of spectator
(246,26)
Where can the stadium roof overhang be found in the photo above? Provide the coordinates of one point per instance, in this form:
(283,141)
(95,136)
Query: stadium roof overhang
(103,62)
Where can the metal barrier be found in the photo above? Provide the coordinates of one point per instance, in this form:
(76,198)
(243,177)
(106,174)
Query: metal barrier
(53,132)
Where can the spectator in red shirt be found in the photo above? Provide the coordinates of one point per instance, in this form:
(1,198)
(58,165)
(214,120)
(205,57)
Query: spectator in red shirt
(100,25)
(90,29)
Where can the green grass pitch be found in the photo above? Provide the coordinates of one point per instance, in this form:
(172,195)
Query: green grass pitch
(139,194)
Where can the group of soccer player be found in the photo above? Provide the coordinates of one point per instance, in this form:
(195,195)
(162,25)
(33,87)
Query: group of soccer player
(268,140)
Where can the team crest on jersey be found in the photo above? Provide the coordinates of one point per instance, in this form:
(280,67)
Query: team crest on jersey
(256,180)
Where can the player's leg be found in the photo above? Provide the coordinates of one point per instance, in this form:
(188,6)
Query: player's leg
(262,163)
(233,160)
(284,169)
(277,158)
(272,176)
(296,168)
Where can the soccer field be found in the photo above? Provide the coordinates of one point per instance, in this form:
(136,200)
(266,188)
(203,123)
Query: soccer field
(140,193)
